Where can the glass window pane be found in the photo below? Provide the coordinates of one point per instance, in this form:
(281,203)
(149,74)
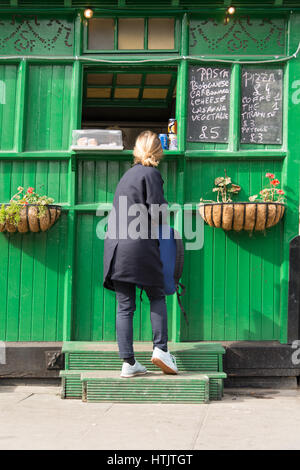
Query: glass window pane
(99,78)
(155,93)
(101,33)
(161,33)
(131,33)
(127,93)
(98,92)
(158,79)
(129,79)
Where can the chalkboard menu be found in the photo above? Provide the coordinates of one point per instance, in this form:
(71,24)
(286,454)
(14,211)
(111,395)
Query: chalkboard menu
(261,106)
(208,105)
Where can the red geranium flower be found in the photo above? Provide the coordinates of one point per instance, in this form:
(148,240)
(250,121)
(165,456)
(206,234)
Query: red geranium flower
(270,175)
(30,190)
(275,182)
(280,191)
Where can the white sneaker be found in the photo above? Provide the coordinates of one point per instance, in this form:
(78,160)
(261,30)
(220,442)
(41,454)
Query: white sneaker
(165,361)
(131,371)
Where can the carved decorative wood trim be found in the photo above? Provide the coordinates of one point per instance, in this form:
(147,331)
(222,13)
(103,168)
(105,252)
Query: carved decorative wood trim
(28,34)
(242,35)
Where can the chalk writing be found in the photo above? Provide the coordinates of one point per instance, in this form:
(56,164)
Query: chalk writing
(261,106)
(208,110)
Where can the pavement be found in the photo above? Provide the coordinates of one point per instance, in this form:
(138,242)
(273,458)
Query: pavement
(35,417)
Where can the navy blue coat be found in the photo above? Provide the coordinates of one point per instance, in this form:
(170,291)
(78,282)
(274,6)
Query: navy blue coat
(134,260)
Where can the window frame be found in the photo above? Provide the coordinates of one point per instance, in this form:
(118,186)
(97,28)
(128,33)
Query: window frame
(132,102)
(177,31)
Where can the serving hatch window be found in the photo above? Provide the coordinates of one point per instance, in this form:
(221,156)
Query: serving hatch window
(131,34)
(131,100)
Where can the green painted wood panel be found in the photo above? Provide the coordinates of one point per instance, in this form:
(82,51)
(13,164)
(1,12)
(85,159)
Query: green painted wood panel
(32,267)
(46,176)
(8,85)
(232,282)
(98,179)
(48,111)
(32,272)
(88,322)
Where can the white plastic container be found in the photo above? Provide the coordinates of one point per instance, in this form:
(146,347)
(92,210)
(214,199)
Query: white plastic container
(97,139)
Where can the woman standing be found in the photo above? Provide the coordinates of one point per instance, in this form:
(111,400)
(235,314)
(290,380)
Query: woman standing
(131,254)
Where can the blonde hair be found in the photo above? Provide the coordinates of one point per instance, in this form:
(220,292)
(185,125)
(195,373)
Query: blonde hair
(147,150)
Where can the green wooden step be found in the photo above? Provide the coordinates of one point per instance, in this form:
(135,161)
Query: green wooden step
(73,346)
(154,387)
(72,384)
(104,356)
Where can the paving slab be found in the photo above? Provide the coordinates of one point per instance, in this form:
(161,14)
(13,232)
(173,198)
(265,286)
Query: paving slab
(33,418)
(252,420)
(148,426)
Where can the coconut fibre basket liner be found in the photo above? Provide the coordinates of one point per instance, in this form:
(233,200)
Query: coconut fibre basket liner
(30,220)
(250,216)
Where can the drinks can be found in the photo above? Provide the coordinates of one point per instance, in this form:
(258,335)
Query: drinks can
(164,141)
(173,142)
(172,126)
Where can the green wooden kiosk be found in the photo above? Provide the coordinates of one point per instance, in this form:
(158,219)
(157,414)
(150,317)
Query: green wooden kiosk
(130,66)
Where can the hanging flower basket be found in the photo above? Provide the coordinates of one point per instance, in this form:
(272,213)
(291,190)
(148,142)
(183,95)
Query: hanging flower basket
(27,211)
(263,211)
(31,220)
(237,216)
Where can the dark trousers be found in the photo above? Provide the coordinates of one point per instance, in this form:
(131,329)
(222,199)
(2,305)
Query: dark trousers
(125,292)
